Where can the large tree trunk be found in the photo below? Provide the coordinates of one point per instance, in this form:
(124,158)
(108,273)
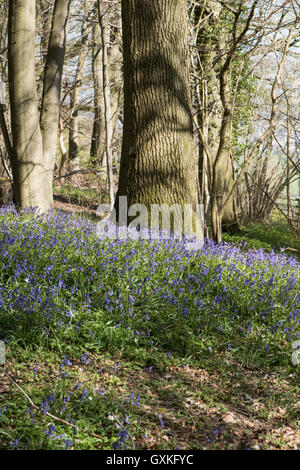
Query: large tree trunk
(158,162)
(29,171)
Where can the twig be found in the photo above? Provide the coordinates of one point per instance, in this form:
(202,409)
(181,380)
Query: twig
(6,166)
(47,414)
(83,172)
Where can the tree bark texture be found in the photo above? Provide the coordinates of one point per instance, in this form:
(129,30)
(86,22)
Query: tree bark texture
(29,171)
(52,86)
(158,162)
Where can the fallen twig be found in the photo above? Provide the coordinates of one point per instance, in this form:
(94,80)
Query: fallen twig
(56,418)
(83,172)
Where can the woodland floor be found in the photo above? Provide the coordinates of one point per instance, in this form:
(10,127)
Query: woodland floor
(218,400)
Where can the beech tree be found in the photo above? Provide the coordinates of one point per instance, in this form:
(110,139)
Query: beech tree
(34,133)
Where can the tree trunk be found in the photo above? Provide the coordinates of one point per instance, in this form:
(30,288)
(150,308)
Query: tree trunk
(52,86)
(34,137)
(75,94)
(44,16)
(114,72)
(29,172)
(62,147)
(210,115)
(158,162)
(107,104)
(97,144)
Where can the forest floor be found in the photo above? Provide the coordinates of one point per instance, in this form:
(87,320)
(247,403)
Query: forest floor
(66,205)
(277,234)
(128,345)
(219,404)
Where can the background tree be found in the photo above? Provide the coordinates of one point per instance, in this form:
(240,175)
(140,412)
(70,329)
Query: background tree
(245,105)
(111,13)
(225,39)
(76,86)
(34,145)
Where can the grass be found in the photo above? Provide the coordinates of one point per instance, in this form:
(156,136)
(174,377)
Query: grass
(143,344)
(84,196)
(274,236)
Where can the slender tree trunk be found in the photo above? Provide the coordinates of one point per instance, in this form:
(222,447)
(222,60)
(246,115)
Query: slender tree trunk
(107,105)
(114,59)
(62,147)
(5,133)
(75,94)
(44,12)
(158,162)
(52,86)
(209,104)
(288,182)
(97,144)
(209,58)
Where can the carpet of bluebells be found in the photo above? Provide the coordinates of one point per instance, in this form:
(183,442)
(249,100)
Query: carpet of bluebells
(65,291)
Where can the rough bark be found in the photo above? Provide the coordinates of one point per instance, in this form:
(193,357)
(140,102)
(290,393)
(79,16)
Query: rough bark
(158,162)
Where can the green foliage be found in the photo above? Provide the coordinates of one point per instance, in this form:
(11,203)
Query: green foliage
(101,333)
(275,236)
(86,196)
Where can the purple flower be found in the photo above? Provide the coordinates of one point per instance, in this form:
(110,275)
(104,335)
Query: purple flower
(161,420)
(66,361)
(68,443)
(50,430)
